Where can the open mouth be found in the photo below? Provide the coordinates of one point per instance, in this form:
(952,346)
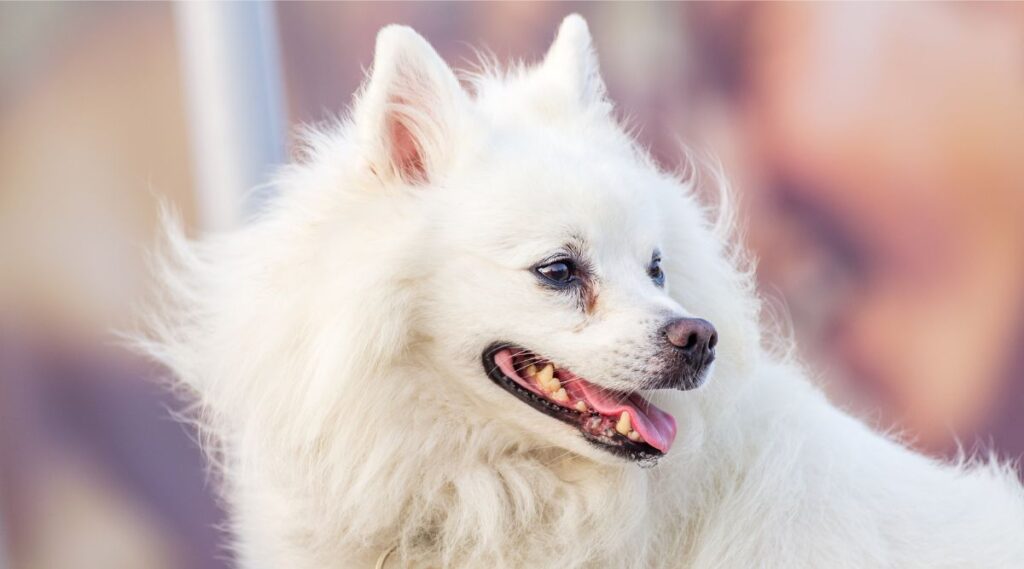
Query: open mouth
(624,424)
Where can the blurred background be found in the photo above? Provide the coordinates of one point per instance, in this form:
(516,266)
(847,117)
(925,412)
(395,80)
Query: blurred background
(878,150)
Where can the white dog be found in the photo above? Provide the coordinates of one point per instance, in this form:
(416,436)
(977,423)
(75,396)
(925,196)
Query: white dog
(469,333)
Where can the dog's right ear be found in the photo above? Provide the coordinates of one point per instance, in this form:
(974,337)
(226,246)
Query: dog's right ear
(408,109)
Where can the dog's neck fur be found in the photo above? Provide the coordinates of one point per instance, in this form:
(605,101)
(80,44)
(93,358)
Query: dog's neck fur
(476,490)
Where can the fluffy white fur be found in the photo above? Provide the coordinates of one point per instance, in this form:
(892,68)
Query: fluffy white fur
(333,347)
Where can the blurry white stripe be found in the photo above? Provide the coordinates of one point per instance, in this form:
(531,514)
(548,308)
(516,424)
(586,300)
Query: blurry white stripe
(232,76)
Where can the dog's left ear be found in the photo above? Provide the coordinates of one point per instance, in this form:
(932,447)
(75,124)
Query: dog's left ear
(571,66)
(408,109)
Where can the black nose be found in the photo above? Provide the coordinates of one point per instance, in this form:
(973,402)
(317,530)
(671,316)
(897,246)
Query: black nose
(695,337)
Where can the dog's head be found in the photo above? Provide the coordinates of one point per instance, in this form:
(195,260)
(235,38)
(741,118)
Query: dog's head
(563,277)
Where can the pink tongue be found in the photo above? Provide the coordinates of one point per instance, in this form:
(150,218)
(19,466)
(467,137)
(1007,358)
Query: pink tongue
(657,427)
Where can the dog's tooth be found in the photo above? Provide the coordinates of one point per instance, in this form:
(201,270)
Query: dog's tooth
(624,425)
(581,407)
(560,395)
(546,373)
(634,436)
(531,370)
(546,379)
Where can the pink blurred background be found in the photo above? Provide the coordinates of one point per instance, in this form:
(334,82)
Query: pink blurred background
(877,149)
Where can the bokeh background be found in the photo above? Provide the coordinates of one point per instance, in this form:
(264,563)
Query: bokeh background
(877,149)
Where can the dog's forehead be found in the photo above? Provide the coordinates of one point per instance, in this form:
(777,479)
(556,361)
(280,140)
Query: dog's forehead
(565,169)
(535,199)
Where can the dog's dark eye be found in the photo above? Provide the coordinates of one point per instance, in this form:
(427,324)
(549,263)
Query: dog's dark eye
(559,273)
(654,271)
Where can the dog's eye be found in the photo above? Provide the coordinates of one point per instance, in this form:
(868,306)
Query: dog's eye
(559,273)
(654,271)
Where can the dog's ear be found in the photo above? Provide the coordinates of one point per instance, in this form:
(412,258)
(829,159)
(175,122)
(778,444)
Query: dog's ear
(571,65)
(407,109)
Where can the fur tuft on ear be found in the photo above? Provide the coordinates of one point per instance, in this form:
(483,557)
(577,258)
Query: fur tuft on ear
(571,63)
(407,108)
